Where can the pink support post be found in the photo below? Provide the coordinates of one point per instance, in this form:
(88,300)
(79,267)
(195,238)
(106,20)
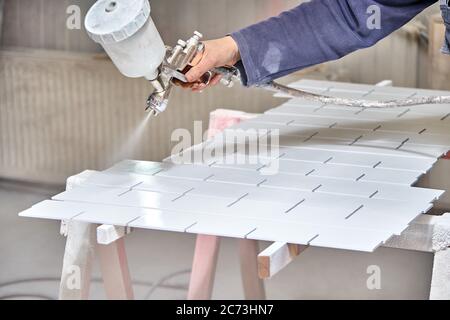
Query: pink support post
(204,267)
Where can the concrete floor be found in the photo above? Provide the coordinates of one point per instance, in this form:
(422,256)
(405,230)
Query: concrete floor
(33,249)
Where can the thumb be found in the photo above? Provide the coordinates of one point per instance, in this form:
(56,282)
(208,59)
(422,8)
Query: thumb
(199,70)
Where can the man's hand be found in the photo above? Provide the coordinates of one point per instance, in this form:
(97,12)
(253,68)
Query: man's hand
(218,53)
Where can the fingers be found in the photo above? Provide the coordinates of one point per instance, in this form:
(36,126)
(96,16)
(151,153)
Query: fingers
(200,69)
(215,80)
(198,87)
(179,83)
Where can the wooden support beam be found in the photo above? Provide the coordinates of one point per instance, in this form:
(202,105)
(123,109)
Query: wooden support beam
(248,256)
(115,271)
(107,234)
(204,267)
(277,256)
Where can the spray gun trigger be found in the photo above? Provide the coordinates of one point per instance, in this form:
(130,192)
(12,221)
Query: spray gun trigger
(175,74)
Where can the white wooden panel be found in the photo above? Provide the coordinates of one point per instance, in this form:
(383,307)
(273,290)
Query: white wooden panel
(165,185)
(200,204)
(223,226)
(119,181)
(366,174)
(357,159)
(117,216)
(304,120)
(233,191)
(90,193)
(383,148)
(133,198)
(345,202)
(291,109)
(285,181)
(342,172)
(365,134)
(185,172)
(404,126)
(234,177)
(382,161)
(239,192)
(432,151)
(216,189)
(54,210)
(318,156)
(165,220)
(359,220)
(341,113)
(350,239)
(141,167)
(381,221)
(289,233)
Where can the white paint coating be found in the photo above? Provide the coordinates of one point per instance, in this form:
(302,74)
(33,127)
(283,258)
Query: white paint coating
(345,179)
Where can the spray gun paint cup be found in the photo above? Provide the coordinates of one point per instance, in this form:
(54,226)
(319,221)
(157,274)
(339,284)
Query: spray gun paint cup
(129,36)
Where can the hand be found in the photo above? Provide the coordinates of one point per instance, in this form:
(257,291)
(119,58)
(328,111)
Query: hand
(218,53)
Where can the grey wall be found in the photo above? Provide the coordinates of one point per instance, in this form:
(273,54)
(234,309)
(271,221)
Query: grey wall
(42,23)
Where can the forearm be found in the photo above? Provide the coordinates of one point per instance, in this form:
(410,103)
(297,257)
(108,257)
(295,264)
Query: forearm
(315,32)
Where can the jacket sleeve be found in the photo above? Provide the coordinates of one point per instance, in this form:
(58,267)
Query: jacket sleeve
(318,31)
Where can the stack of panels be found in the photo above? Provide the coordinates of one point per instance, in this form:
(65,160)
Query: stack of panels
(343,177)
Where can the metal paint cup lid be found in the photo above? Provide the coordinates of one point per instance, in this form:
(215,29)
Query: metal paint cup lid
(111,21)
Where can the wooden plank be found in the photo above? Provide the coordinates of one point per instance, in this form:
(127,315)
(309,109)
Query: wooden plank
(248,254)
(115,272)
(204,267)
(276,257)
(107,234)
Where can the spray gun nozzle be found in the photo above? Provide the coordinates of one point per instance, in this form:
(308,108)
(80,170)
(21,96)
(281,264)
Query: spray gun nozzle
(157,103)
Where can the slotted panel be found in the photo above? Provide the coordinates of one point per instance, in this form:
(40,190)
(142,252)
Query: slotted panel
(340,178)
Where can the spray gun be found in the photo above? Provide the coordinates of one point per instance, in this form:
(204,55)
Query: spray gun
(129,36)
(176,61)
